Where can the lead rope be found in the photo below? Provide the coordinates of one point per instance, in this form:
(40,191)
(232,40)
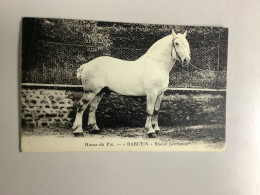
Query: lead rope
(190,64)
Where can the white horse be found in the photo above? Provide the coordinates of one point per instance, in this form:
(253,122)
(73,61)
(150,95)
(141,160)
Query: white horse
(147,76)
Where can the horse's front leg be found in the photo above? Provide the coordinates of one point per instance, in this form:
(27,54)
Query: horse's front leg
(155,114)
(150,98)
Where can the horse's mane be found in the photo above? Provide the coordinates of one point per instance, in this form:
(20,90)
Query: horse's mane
(159,45)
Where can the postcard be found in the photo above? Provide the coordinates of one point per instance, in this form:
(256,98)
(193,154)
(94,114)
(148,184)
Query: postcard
(109,86)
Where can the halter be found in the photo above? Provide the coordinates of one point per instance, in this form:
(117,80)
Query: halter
(175,49)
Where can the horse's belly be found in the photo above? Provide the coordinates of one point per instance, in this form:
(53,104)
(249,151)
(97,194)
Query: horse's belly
(126,86)
(130,91)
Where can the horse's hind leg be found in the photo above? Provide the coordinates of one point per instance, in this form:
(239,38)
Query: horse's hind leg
(92,113)
(155,114)
(81,107)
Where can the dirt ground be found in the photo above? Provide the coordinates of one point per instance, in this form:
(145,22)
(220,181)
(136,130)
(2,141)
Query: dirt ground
(179,138)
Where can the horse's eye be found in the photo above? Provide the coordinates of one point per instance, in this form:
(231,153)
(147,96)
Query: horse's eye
(177,43)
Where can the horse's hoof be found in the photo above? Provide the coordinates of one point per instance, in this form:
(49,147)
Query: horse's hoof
(95,131)
(151,135)
(78,134)
(93,127)
(158,132)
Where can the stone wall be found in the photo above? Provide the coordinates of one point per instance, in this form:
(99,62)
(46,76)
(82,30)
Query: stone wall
(56,107)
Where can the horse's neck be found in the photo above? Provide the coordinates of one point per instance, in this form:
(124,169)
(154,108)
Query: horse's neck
(160,53)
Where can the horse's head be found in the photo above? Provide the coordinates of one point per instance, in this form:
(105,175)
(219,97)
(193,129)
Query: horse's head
(180,48)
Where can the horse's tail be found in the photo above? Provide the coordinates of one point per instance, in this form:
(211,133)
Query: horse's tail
(79,71)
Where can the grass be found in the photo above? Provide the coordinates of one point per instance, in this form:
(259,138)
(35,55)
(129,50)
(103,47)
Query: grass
(206,133)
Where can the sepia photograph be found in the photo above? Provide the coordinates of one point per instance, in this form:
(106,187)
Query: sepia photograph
(110,86)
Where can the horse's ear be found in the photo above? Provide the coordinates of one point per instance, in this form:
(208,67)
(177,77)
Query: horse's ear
(185,33)
(173,34)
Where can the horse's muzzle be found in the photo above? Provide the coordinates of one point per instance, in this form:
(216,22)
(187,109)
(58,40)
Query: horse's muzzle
(185,61)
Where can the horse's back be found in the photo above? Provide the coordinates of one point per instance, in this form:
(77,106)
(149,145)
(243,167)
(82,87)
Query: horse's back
(105,65)
(104,62)
(119,75)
